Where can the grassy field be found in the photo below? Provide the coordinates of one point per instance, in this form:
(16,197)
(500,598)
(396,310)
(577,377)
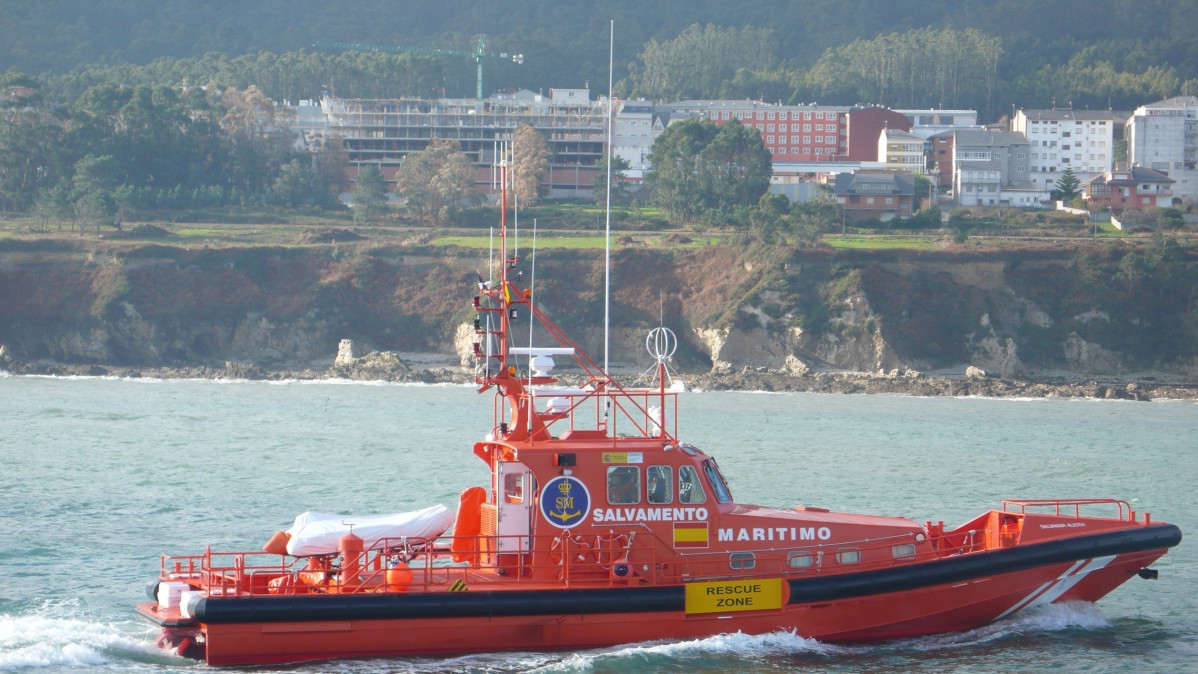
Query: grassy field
(558,230)
(578,241)
(881,242)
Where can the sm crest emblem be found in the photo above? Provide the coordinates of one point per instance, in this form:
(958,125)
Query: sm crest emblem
(565,502)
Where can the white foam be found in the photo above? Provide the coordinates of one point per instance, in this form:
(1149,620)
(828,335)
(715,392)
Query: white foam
(1050,618)
(1047,618)
(735,644)
(37,641)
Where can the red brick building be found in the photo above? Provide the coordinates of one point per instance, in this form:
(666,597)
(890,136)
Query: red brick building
(942,158)
(862,128)
(1139,188)
(792,133)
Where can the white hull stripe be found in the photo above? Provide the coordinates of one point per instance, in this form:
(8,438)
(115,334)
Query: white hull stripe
(1051,591)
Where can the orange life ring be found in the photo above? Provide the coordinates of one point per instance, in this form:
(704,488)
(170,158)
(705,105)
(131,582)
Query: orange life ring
(610,546)
(580,552)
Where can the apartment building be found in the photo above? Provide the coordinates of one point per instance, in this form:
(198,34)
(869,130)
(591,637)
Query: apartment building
(901,151)
(635,127)
(382,132)
(791,133)
(990,168)
(1163,136)
(1058,139)
(930,122)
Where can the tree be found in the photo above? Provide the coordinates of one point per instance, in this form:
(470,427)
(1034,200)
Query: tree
(1067,187)
(699,60)
(294,185)
(93,208)
(433,180)
(31,159)
(923,191)
(452,183)
(619,192)
(709,171)
(766,219)
(370,194)
(530,161)
(330,166)
(52,205)
(809,219)
(1170,218)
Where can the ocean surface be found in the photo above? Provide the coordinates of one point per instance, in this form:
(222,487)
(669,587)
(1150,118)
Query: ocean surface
(98,477)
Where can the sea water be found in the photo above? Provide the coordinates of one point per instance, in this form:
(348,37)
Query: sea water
(98,477)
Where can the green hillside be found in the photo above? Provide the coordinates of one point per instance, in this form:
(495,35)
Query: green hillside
(1117,53)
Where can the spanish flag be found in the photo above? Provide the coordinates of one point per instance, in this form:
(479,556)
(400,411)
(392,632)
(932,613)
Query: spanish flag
(690,535)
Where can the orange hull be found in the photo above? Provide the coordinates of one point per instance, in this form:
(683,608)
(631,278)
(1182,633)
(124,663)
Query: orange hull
(598,621)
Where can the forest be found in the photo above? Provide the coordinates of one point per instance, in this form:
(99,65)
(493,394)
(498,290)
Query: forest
(951,53)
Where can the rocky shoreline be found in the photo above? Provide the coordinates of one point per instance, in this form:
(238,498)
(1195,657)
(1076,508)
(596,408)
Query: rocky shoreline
(391,368)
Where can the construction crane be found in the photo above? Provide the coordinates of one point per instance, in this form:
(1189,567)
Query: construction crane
(479,54)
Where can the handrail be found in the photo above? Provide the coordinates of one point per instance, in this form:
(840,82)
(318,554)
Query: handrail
(616,557)
(1124,508)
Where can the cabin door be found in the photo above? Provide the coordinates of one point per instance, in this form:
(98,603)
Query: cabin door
(514,517)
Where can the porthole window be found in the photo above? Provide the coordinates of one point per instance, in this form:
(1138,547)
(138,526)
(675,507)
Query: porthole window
(742,561)
(848,556)
(902,551)
(799,560)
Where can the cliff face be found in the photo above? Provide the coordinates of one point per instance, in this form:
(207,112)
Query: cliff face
(783,311)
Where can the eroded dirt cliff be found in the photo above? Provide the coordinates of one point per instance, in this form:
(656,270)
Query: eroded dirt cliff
(785,312)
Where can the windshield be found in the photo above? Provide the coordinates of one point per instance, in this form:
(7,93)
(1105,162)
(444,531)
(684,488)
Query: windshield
(717,481)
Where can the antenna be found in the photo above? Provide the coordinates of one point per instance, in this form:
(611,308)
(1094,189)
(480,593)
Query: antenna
(532,302)
(607,227)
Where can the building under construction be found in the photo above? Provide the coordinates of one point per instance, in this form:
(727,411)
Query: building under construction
(382,132)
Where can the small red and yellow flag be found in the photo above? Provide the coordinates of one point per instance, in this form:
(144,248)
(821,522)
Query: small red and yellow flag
(690,535)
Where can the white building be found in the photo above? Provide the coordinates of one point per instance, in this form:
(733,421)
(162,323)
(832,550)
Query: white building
(927,123)
(990,168)
(1164,136)
(1083,140)
(634,131)
(901,151)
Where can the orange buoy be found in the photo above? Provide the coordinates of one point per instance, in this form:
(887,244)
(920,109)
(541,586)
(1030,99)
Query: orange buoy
(277,545)
(398,576)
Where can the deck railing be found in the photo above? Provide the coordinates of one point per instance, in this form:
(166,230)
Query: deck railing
(1062,507)
(617,558)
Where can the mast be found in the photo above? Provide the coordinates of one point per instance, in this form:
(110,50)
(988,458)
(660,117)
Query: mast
(607,226)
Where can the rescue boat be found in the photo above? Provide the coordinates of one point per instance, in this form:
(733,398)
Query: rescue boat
(601,526)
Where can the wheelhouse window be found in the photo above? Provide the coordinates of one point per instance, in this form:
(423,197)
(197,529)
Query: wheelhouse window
(690,490)
(661,484)
(623,485)
(717,481)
